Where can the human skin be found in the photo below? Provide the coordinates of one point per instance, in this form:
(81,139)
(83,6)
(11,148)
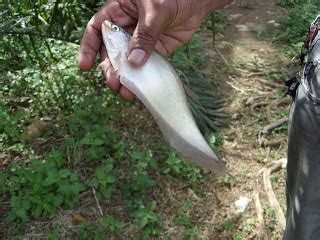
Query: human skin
(163,25)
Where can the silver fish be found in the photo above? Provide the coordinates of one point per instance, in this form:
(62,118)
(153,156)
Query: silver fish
(158,86)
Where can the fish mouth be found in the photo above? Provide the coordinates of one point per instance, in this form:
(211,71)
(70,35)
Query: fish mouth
(107,26)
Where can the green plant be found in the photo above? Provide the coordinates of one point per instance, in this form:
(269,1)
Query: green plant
(41,188)
(292,3)
(295,25)
(146,218)
(238,236)
(227,180)
(182,217)
(53,234)
(90,230)
(227,225)
(175,166)
(192,233)
(10,125)
(111,224)
(104,179)
(270,212)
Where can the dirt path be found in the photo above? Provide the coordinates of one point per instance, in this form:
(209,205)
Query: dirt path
(253,84)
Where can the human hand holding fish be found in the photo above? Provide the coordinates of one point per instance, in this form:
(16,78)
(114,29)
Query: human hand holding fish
(163,25)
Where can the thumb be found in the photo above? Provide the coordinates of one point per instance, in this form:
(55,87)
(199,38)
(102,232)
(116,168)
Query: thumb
(150,25)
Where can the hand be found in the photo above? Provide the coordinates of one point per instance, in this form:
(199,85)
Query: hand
(161,24)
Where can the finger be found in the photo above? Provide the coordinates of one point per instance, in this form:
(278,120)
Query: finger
(126,94)
(150,26)
(91,40)
(103,53)
(112,79)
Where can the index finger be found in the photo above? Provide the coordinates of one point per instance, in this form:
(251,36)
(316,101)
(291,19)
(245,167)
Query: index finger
(91,40)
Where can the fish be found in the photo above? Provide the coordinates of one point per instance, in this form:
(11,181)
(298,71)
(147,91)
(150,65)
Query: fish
(160,89)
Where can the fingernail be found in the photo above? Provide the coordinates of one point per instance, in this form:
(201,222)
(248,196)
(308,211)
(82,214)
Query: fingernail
(137,56)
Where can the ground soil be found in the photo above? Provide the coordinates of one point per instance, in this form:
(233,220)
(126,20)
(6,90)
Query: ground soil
(253,84)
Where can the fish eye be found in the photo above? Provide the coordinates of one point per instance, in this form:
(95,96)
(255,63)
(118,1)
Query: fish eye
(116,28)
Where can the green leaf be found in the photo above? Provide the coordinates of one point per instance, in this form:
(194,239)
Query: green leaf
(98,142)
(21,213)
(93,182)
(58,200)
(64,173)
(51,179)
(110,178)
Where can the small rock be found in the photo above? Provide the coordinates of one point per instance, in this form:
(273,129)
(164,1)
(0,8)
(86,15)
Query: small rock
(77,218)
(234,16)
(236,116)
(241,204)
(274,23)
(242,28)
(250,101)
(224,45)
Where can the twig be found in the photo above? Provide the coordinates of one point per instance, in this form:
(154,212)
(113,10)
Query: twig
(262,234)
(256,105)
(97,201)
(271,195)
(267,129)
(270,84)
(272,143)
(263,73)
(226,62)
(236,88)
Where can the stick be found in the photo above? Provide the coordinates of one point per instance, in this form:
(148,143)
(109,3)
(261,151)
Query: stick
(272,143)
(97,201)
(256,105)
(222,57)
(236,88)
(262,234)
(267,129)
(271,84)
(271,195)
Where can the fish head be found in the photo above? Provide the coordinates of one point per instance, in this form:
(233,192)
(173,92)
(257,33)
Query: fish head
(116,41)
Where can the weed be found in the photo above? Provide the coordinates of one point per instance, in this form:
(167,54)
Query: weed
(40,188)
(192,233)
(182,217)
(295,25)
(270,212)
(146,218)
(238,236)
(227,180)
(227,225)
(111,224)
(104,179)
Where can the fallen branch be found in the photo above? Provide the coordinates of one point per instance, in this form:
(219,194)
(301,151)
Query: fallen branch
(267,129)
(262,234)
(271,195)
(97,201)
